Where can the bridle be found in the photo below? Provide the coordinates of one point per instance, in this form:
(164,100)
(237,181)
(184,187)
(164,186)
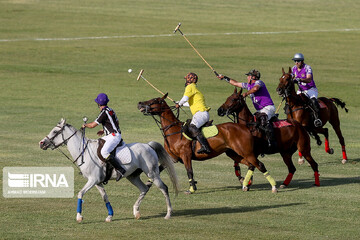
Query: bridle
(231,113)
(64,142)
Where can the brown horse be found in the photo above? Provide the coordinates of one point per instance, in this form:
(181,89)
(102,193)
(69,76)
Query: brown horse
(289,135)
(297,110)
(234,140)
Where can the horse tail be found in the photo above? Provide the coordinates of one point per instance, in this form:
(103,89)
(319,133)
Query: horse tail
(340,103)
(168,162)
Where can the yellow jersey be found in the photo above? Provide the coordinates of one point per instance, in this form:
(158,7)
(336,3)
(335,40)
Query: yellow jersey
(196,99)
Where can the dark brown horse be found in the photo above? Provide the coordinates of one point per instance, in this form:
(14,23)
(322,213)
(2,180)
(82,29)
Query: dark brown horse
(297,110)
(234,140)
(289,135)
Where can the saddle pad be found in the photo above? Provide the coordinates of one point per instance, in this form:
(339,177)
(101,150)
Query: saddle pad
(123,153)
(281,123)
(322,104)
(208,132)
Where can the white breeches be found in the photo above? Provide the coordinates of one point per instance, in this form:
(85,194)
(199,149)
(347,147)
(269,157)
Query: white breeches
(200,118)
(269,111)
(311,93)
(110,144)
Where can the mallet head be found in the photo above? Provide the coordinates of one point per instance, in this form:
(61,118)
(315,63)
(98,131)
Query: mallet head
(140,74)
(177,27)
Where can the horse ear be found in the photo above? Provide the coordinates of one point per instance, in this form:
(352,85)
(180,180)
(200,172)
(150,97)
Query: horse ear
(235,90)
(283,71)
(165,96)
(62,121)
(290,70)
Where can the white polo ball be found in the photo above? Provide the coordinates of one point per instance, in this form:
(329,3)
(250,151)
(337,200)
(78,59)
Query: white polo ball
(130,70)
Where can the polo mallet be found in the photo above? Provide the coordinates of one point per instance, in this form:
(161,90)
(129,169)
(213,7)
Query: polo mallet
(278,108)
(141,76)
(178,29)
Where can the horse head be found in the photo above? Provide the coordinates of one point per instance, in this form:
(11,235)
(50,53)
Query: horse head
(56,137)
(286,84)
(233,104)
(154,106)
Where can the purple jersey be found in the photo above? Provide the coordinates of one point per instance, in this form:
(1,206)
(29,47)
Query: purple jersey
(261,98)
(305,70)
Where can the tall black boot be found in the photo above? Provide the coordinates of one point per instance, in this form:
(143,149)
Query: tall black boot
(205,148)
(196,133)
(316,107)
(120,171)
(269,131)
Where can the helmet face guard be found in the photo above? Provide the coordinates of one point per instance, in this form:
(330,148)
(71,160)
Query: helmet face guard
(298,57)
(254,73)
(102,99)
(191,78)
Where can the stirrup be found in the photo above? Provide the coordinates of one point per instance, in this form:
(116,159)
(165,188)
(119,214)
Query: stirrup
(317,123)
(119,175)
(203,150)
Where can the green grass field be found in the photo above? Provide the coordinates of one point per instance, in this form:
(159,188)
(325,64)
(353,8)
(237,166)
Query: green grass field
(56,56)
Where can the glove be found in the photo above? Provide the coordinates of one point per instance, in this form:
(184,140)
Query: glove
(297,80)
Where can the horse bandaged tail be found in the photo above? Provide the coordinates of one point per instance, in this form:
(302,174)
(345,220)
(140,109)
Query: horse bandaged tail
(207,132)
(281,123)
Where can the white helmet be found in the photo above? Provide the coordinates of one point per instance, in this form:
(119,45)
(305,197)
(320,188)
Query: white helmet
(298,57)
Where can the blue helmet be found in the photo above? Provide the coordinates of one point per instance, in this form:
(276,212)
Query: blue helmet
(102,99)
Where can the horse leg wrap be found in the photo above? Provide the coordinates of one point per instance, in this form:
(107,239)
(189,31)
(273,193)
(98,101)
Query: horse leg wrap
(327,147)
(344,152)
(79,205)
(237,170)
(317,180)
(300,155)
(288,179)
(270,179)
(109,208)
(247,178)
(193,187)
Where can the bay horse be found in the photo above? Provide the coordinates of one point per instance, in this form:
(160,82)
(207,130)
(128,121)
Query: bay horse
(289,135)
(297,110)
(234,140)
(145,157)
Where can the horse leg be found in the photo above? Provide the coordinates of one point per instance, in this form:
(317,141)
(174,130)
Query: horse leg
(301,159)
(248,178)
(164,189)
(237,159)
(291,168)
(188,166)
(89,184)
(104,196)
(325,132)
(336,126)
(136,181)
(303,145)
(259,165)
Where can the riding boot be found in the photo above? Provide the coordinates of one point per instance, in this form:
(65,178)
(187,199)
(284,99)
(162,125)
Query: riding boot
(120,171)
(205,148)
(316,108)
(269,131)
(196,133)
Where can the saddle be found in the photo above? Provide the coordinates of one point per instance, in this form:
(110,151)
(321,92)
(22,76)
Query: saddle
(108,167)
(208,130)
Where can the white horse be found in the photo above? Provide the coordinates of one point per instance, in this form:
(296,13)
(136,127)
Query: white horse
(145,157)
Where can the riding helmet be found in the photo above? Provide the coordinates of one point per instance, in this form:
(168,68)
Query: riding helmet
(298,57)
(102,99)
(255,73)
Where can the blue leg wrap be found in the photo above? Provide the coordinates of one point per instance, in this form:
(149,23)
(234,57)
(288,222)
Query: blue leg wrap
(79,205)
(109,208)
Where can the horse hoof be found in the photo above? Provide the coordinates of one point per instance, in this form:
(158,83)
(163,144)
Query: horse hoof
(187,192)
(241,180)
(167,217)
(245,189)
(137,215)
(79,219)
(274,190)
(331,151)
(344,161)
(108,219)
(282,186)
(301,161)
